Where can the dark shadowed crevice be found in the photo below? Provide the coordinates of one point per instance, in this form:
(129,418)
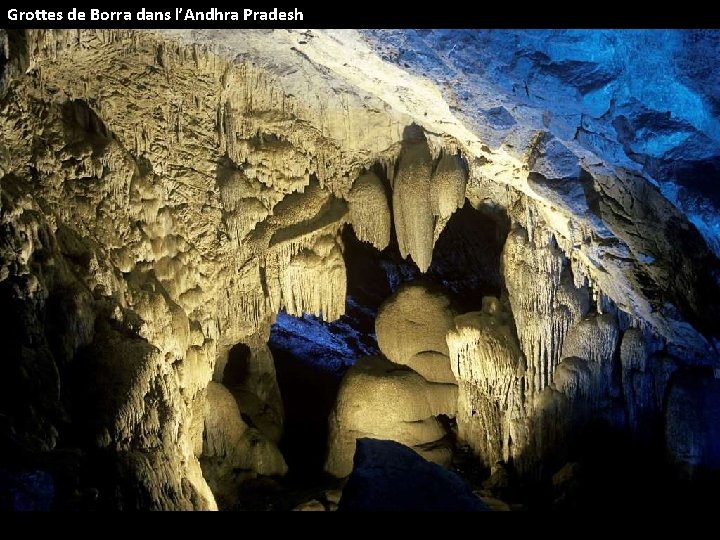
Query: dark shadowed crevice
(237,368)
(312,355)
(466,257)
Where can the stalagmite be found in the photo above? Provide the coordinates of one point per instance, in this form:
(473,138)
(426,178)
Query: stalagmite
(233,451)
(250,376)
(411,327)
(383,400)
(489,366)
(692,423)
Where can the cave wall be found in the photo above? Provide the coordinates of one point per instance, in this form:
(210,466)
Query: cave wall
(136,254)
(163,197)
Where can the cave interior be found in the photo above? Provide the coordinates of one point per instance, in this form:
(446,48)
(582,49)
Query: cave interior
(383,273)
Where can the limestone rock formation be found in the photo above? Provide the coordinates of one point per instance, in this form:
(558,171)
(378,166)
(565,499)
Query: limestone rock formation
(692,423)
(414,223)
(594,340)
(249,374)
(369,210)
(638,381)
(233,451)
(388,476)
(411,327)
(425,195)
(490,369)
(447,190)
(384,400)
(545,302)
(163,195)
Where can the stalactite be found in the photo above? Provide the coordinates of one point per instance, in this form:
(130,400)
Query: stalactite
(414,224)
(543,297)
(447,186)
(424,199)
(315,283)
(369,210)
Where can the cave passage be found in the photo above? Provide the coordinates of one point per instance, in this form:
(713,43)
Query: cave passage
(312,355)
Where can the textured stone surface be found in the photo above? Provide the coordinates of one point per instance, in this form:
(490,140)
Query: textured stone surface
(164,195)
(384,400)
(250,376)
(411,327)
(692,423)
(233,451)
(489,366)
(369,210)
(544,299)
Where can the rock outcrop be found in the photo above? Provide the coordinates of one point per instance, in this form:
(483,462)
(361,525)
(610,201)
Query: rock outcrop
(232,451)
(692,423)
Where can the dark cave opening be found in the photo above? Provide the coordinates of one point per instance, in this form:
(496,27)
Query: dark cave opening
(238,365)
(466,257)
(311,355)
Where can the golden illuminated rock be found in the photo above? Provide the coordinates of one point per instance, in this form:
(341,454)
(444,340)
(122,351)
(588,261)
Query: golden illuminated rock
(233,451)
(489,366)
(411,327)
(382,400)
(369,210)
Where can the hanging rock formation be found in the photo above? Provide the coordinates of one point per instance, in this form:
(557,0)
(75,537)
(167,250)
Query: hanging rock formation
(447,190)
(544,300)
(414,223)
(638,382)
(369,210)
(424,199)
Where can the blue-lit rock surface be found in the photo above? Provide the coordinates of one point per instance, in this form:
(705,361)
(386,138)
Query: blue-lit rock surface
(333,346)
(648,100)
